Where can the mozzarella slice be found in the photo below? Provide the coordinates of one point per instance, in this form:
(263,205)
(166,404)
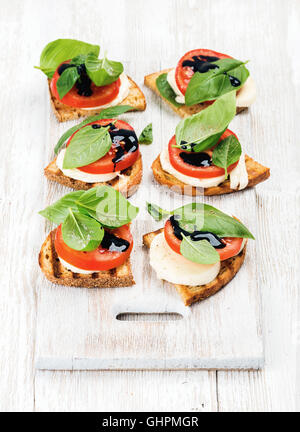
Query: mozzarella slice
(172,81)
(123,93)
(192,181)
(245,96)
(175,268)
(76,269)
(76,174)
(239,176)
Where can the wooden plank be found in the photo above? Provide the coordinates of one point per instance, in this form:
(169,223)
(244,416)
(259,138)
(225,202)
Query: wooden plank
(128,391)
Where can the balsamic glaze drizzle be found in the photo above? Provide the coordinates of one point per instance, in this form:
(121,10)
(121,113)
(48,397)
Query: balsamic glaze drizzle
(212,238)
(124,140)
(83,84)
(204,63)
(114,243)
(201,159)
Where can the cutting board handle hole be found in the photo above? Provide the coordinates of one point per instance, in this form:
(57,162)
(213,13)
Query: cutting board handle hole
(148,316)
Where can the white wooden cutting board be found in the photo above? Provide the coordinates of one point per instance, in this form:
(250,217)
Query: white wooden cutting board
(78,329)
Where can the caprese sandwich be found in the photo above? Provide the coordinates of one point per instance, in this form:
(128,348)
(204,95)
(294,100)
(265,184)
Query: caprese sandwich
(81,84)
(205,157)
(199,250)
(92,243)
(200,77)
(98,151)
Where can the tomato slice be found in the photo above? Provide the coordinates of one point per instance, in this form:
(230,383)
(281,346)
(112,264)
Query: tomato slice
(99,259)
(183,74)
(106,165)
(197,171)
(233,244)
(100,95)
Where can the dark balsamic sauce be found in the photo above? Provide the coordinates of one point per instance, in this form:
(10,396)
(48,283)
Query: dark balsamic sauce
(212,238)
(204,63)
(196,159)
(83,84)
(114,243)
(201,63)
(124,140)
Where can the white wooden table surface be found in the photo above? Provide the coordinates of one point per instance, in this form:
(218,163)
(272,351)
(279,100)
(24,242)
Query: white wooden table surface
(266,32)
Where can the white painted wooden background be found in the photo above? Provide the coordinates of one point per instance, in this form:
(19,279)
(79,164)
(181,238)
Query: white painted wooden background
(267,32)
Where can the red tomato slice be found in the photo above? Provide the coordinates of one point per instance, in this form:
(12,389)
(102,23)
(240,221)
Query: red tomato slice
(233,244)
(193,171)
(99,259)
(183,74)
(100,96)
(106,165)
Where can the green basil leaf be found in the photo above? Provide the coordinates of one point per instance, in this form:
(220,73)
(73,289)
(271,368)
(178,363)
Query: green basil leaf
(79,60)
(146,136)
(216,82)
(157,212)
(108,206)
(58,211)
(210,122)
(63,49)
(201,252)
(81,232)
(87,146)
(204,217)
(227,152)
(102,72)
(66,81)
(106,113)
(166,90)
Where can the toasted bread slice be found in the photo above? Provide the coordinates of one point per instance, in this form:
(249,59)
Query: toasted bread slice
(184,110)
(192,294)
(127,183)
(257,173)
(58,274)
(63,113)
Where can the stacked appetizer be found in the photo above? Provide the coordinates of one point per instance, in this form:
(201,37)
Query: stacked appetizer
(200,77)
(92,243)
(205,157)
(81,84)
(99,150)
(200,249)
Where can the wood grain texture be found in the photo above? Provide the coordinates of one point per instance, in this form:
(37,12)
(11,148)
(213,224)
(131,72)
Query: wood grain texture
(264,31)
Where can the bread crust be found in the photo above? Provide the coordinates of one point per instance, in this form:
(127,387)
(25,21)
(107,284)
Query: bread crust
(192,294)
(184,110)
(55,272)
(257,173)
(63,112)
(127,183)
